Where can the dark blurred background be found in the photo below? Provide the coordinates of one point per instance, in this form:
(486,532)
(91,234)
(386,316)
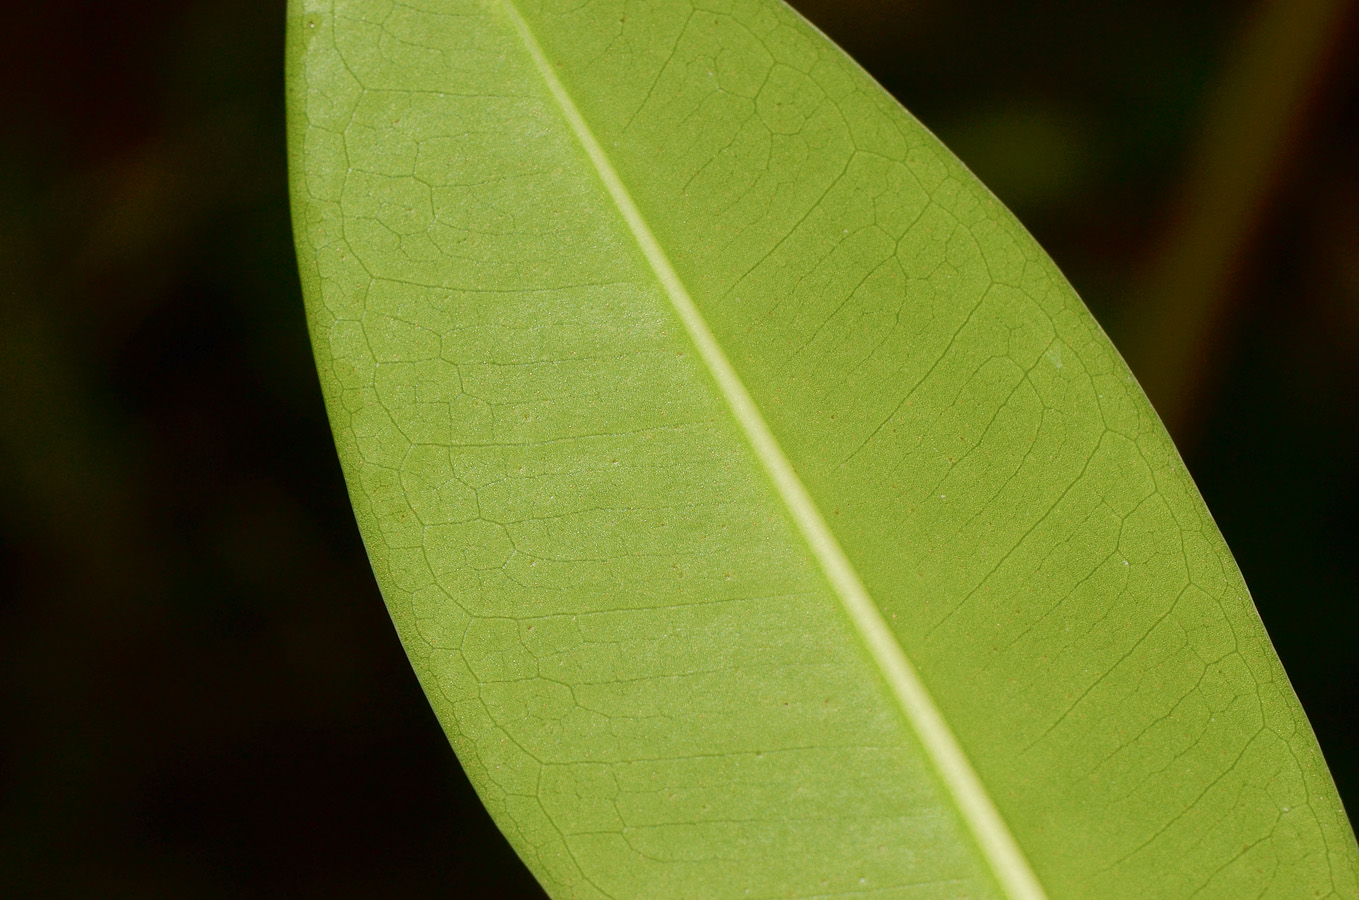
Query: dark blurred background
(200,692)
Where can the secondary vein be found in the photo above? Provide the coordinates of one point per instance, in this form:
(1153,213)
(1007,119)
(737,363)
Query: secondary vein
(993,837)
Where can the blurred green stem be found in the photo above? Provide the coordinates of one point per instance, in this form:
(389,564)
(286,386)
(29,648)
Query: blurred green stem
(1255,120)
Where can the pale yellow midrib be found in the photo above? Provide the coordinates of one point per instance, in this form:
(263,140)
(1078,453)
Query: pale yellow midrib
(993,837)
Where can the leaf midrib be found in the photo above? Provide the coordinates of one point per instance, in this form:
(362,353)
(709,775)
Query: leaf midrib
(998,846)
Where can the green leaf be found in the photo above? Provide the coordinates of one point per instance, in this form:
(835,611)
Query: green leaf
(764,515)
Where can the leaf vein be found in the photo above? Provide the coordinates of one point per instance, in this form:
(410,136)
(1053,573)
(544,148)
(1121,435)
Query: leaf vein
(998,847)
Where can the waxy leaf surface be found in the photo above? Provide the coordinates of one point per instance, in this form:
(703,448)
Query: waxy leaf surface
(763,513)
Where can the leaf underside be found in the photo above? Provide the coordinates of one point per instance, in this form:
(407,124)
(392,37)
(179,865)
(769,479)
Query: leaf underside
(763,514)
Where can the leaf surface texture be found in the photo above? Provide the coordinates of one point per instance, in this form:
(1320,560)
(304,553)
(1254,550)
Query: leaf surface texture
(763,513)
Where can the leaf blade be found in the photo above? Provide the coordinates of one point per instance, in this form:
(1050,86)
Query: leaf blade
(821,453)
